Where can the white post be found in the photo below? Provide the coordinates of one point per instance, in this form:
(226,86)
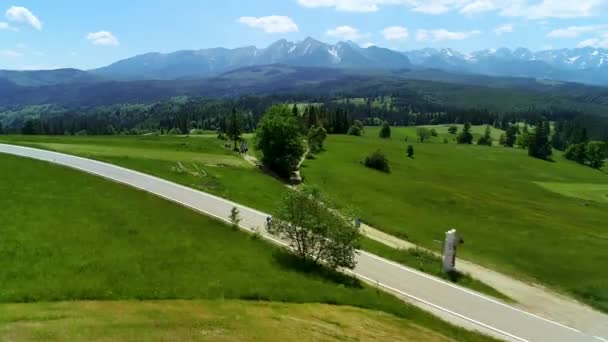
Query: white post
(449,250)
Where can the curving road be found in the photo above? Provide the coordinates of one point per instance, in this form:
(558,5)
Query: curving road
(452,303)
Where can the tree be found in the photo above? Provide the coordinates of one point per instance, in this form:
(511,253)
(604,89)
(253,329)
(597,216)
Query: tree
(385,131)
(1,128)
(523,140)
(453,129)
(511,136)
(465,137)
(410,151)
(278,138)
(434,132)
(314,231)
(595,154)
(539,145)
(234,127)
(378,161)
(502,140)
(486,139)
(316,138)
(423,133)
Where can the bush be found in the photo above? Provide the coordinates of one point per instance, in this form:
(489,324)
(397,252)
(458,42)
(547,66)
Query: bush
(453,129)
(378,161)
(385,131)
(355,130)
(410,151)
(316,138)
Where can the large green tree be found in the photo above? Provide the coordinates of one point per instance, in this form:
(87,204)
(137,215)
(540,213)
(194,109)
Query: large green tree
(278,138)
(314,231)
(423,133)
(595,154)
(511,136)
(316,138)
(486,139)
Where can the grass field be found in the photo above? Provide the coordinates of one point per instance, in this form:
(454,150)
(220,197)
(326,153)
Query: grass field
(69,236)
(491,194)
(203,320)
(222,172)
(226,174)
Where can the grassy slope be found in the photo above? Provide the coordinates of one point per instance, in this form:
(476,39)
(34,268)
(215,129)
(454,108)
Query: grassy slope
(72,236)
(235,179)
(227,175)
(509,222)
(202,321)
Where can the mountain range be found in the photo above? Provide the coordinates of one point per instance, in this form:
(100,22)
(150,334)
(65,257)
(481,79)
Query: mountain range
(582,65)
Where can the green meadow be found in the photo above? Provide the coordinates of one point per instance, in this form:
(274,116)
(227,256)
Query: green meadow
(70,236)
(538,220)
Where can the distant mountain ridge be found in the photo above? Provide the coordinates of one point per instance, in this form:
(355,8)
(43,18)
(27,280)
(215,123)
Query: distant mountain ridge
(582,65)
(211,62)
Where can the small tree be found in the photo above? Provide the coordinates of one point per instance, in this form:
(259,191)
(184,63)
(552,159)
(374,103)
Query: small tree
(595,154)
(316,138)
(434,132)
(278,138)
(423,133)
(385,131)
(511,136)
(465,137)
(453,129)
(539,145)
(502,140)
(378,161)
(314,231)
(486,139)
(235,218)
(235,128)
(410,151)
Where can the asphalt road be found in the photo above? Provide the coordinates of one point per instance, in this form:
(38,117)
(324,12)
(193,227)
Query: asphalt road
(452,303)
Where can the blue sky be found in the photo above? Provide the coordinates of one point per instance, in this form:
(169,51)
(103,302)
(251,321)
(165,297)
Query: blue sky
(41,34)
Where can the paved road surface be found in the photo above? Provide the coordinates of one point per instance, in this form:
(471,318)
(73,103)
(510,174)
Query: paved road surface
(455,304)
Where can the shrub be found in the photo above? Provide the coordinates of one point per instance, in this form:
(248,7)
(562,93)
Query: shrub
(316,138)
(410,151)
(453,129)
(378,161)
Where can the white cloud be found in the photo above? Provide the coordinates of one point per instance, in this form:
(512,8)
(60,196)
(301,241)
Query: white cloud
(531,9)
(102,38)
(271,24)
(344,32)
(350,5)
(443,35)
(599,42)
(10,54)
(368,44)
(500,30)
(575,31)
(395,33)
(24,16)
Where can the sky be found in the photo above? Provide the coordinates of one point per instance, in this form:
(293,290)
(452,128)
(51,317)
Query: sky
(42,34)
